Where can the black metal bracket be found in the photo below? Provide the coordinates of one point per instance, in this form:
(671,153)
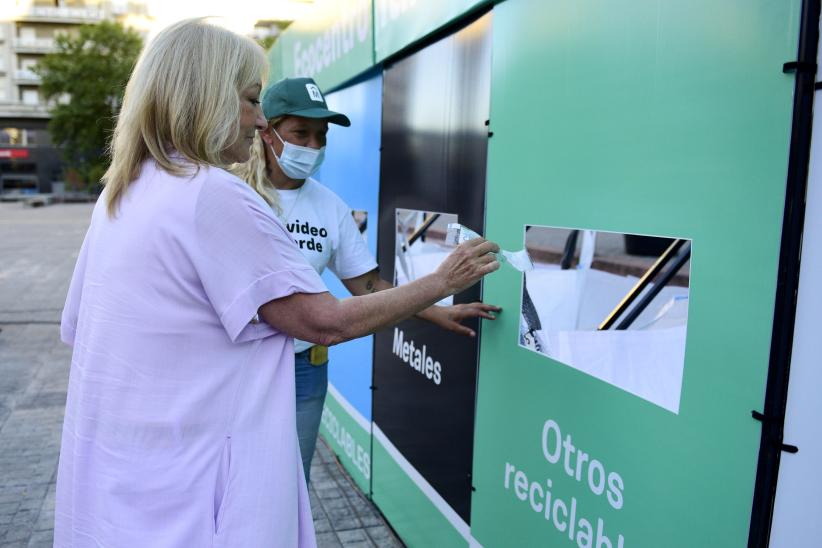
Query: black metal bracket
(764,418)
(799,66)
(817,85)
(761,417)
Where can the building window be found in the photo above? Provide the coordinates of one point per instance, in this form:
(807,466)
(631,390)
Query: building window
(24,137)
(37,137)
(28,64)
(12,136)
(30,97)
(28,34)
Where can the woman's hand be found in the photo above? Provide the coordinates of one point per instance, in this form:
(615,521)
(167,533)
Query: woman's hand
(451,317)
(469,262)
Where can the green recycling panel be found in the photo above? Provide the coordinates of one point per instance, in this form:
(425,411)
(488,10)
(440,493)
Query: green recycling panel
(654,117)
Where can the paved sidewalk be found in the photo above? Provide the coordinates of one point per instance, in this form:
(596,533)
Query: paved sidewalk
(38,248)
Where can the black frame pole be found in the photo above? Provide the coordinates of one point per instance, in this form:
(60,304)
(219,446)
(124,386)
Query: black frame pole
(776,394)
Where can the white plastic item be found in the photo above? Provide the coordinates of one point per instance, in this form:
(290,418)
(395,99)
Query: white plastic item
(458,233)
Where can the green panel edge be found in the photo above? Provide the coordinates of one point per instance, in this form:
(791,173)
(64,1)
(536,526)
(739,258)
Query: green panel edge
(410,512)
(347,439)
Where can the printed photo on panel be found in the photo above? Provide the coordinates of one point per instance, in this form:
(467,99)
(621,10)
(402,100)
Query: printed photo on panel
(420,245)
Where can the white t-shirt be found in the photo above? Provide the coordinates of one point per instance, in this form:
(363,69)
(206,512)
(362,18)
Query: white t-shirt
(324,229)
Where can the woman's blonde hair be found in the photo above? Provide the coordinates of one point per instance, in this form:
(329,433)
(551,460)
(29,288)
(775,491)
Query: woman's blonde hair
(255,170)
(183,97)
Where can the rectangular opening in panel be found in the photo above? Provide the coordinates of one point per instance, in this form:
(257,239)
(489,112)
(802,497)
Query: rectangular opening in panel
(612,305)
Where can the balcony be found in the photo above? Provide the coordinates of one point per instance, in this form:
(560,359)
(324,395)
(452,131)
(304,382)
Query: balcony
(25,76)
(20,110)
(34,45)
(66,15)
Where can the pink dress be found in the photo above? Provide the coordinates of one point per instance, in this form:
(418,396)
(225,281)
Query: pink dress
(180,421)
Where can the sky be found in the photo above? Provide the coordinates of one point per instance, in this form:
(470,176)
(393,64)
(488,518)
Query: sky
(238,15)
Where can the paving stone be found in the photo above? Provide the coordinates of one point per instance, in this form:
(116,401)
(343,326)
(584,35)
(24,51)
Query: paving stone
(328,540)
(9,508)
(358,544)
(336,503)
(16,534)
(352,535)
(41,538)
(372,519)
(382,535)
(322,525)
(329,493)
(345,523)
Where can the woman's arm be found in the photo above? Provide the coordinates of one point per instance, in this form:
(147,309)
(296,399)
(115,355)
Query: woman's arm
(445,317)
(322,319)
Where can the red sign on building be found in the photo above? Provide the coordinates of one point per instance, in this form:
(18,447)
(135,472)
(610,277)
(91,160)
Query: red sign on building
(14,153)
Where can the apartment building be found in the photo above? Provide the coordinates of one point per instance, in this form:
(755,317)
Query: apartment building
(28,28)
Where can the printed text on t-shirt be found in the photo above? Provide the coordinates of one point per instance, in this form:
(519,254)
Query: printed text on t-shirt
(307,229)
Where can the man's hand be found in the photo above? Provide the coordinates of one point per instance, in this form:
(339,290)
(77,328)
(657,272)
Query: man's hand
(451,317)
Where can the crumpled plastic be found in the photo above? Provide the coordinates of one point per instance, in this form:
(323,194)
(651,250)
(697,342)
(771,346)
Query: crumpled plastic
(520,260)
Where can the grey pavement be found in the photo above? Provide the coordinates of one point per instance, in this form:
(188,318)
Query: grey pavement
(38,248)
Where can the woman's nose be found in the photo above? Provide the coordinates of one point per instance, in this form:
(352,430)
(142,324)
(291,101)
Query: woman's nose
(260,122)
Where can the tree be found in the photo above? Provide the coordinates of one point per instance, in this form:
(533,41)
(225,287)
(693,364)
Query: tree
(86,77)
(268,40)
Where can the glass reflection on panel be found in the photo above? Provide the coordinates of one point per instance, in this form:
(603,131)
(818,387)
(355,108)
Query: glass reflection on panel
(361,220)
(612,305)
(420,245)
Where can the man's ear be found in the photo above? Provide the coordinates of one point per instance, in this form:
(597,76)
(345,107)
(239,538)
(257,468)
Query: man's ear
(267,135)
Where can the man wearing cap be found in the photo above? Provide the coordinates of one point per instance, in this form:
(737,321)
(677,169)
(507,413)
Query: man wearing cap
(283,159)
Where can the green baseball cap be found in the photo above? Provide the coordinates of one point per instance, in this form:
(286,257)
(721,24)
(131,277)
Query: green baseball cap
(299,97)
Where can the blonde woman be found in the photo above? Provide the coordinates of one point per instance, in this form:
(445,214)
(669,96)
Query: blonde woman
(283,159)
(184,299)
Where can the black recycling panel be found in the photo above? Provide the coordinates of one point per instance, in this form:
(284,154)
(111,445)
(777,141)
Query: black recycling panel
(434,147)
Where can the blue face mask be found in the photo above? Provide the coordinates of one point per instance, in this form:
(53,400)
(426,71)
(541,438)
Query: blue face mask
(298,162)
